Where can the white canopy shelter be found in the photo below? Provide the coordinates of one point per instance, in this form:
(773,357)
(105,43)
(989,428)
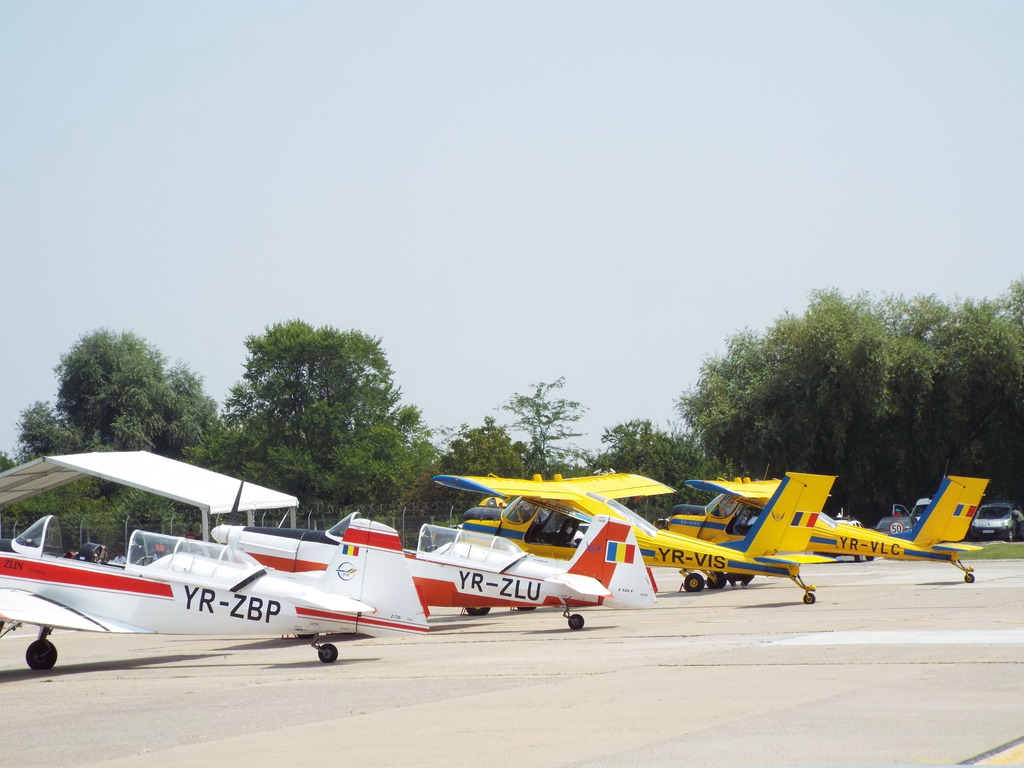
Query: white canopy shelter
(210,491)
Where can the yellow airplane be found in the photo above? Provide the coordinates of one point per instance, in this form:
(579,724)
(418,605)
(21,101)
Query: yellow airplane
(945,520)
(546,515)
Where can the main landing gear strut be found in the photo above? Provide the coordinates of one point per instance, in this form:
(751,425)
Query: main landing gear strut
(694,581)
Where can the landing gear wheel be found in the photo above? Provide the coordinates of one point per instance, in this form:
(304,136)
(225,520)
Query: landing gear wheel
(809,598)
(745,579)
(328,653)
(479,611)
(715,580)
(575,621)
(693,582)
(41,654)
(969,578)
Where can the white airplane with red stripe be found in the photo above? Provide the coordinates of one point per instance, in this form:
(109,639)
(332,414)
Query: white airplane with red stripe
(182,586)
(478,571)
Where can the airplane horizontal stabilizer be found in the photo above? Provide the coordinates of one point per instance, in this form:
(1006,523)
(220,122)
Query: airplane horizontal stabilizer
(333,602)
(956,548)
(796,559)
(17,605)
(584,585)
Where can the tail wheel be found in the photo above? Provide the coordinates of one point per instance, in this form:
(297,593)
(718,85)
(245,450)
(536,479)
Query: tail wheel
(969,578)
(693,582)
(809,598)
(328,653)
(575,621)
(41,654)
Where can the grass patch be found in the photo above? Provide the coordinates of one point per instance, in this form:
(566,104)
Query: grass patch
(997,550)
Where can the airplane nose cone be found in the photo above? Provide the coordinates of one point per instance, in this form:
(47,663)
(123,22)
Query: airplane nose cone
(220,533)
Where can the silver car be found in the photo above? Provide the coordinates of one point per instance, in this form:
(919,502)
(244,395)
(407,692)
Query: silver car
(998,520)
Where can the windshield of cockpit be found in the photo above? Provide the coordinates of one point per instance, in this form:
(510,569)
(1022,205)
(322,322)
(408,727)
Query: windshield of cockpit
(828,521)
(45,532)
(337,531)
(622,510)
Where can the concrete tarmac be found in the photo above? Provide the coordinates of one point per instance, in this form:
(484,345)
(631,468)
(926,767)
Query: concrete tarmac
(896,664)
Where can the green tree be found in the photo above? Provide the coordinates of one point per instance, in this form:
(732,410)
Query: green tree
(672,458)
(115,392)
(317,415)
(888,395)
(548,423)
(484,450)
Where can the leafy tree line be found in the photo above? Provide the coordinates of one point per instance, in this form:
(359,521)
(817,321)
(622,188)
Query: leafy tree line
(890,395)
(316,414)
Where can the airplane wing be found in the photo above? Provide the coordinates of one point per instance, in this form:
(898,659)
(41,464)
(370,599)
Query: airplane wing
(29,608)
(757,491)
(584,585)
(612,486)
(619,485)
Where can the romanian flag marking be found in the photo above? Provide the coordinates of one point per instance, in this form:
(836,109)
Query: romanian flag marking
(805,519)
(965,510)
(619,552)
(349,550)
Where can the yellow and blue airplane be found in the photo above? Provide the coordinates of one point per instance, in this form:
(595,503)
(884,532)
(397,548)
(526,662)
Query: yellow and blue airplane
(933,537)
(545,515)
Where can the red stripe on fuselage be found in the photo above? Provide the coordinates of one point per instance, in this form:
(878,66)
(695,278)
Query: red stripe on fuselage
(313,613)
(364,537)
(97,577)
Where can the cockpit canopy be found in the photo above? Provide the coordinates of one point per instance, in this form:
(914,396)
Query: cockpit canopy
(43,537)
(146,548)
(451,544)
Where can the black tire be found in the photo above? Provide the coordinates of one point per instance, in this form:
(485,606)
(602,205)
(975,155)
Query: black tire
(693,582)
(715,580)
(328,653)
(809,598)
(969,578)
(576,621)
(41,654)
(479,611)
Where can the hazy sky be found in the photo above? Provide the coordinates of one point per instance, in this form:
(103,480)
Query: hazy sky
(503,193)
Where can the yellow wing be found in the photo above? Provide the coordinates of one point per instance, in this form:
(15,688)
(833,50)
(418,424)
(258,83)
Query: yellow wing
(755,491)
(613,486)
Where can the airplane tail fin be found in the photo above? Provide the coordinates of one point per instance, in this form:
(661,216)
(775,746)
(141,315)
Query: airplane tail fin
(370,566)
(787,520)
(610,554)
(949,516)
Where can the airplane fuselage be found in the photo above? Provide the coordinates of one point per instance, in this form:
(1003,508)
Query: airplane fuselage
(121,597)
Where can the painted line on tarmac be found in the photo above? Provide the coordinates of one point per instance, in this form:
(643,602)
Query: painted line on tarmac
(910,637)
(1011,753)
